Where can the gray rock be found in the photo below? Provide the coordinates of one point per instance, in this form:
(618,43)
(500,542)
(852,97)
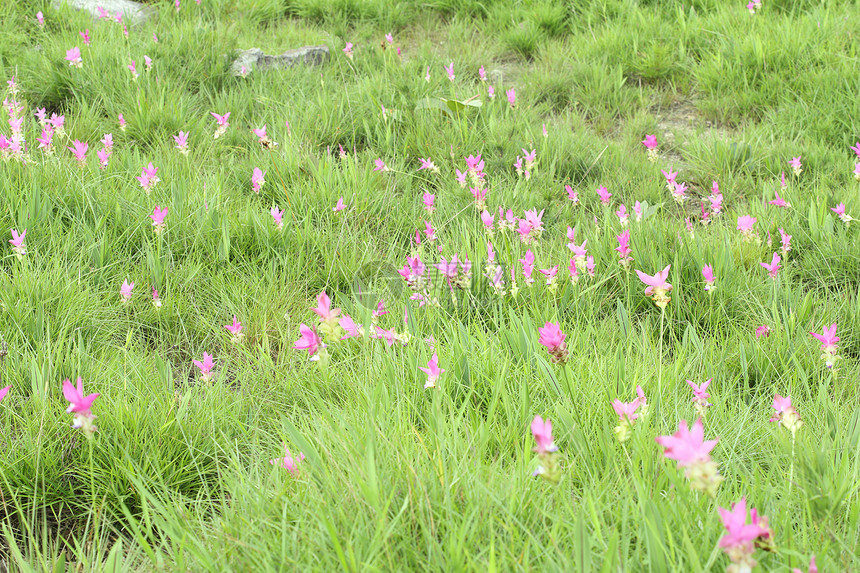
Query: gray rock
(132,12)
(255,60)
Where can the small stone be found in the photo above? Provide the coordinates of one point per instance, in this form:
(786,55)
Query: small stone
(132,12)
(255,60)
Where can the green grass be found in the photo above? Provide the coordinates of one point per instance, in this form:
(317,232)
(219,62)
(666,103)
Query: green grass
(396,477)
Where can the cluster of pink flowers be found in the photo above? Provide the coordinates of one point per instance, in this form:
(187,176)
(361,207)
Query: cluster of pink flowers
(693,452)
(17,242)
(552,338)
(148,178)
(658,289)
(785,415)
(549,467)
(700,396)
(222,122)
(828,341)
(628,413)
(80,406)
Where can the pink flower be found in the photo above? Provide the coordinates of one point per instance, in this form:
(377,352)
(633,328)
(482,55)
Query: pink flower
(637,210)
(257,179)
(840,211)
(528,262)
(813,568)
(604,195)
(626,410)
(80,406)
(491,92)
(687,447)
(428,164)
(763,330)
(623,248)
(828,341)
(741,537)
(571,194)
(235,329)
(779,202)
(700,395)
(786,241)
(263,137)
(85,36)
(288,462)
(223,123)
(785,414)
(324,310)
(352,329)
(133,69)
(708,273)
(670,178)
(147,62)
(104,158)
(623,216)
(550,275)
(73,56)
(125,290)
(774,266)
(182,142)
(552,338)
(857,171)
(278,216)
(17,242)
(205,366)
(156,301)
(339,206)
(796,165)
(148,178)
(482,74)
(380,165)
(657,288)
(433,371)
(450,71)
(429,200)
(121,120)
(745,224)
(4,391)
(79,150)
(348,50)
(856,149)
(158,215)
(427,75)
(389,38)
(40,18)
(512,97)
(542,432)
(46,140)
(650,142)
(487,220)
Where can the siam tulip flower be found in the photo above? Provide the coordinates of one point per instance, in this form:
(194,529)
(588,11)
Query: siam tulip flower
(546,450)
(73,56)
(828,341)
(840,211)
(257,179)
(779,202)
(133,69)
(480,196)
(745,226)
(158,215)
(263,138)
(708,273)
(243,71)
(482,74)
(679,192)
(429,200)
(339,206)
(103,157)
(589,266)
(531,227)
(205,367)
(623,248)
(637,211)
(763,330)
(40,18)
(627,416)
(223,123)
(786,242)
(688,223)
(782,182)
(693,452)
(650,143)
(4,391)
(544,131)
(148,178)
(552,338)
(121,120)
(623,215)
(550,277)
(491,92)
(741,538)
(288,462)
(488,221)
(348,50)
(182,142)
(716,199)
(427,75)
(389,38)
(774,266)
(753,5)
(80,406)
(796,165)
(125,291)
(328,316)
(530,158)
(700,396)
(512,97)
(380,165)
(235,329)
(785,414)
(670,178)
(571,194)
(450,71)
(528,267)
(352,329)
(17,242)
(813,568)
(147,63)
(429,232)
(658,289)
(643,402)
(428,164)
(604,195)
(278,216)
(857,171)
(856,149)
(156,301)
(107,141)
(433,372)
(79,150)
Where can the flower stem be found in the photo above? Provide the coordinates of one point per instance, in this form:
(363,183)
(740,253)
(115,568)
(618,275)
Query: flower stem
(660,358)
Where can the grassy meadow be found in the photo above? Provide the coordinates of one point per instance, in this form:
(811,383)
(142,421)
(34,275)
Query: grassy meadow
(363,181)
